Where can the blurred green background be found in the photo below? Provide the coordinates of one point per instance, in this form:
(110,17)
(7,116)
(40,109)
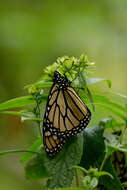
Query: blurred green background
(32,35)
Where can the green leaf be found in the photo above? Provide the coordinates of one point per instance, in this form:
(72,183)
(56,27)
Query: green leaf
(94,146)
(33,147)
(35,168)
(93,183)
(101,173)
(113,107)
(18,113)
(108,182)
(17,152)
(17,102)
(20,102)
(114,111)
(95,80)
(61,166)
(105,100)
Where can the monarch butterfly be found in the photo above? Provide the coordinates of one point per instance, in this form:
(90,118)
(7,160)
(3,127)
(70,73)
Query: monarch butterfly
(65,115)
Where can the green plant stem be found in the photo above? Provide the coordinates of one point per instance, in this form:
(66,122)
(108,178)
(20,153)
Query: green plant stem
(76,177)
(39,122)
(38,116)
(103,162)
(91,98)
(17,151)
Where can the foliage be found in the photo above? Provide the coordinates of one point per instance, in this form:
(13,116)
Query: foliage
(62,173)
(85,158)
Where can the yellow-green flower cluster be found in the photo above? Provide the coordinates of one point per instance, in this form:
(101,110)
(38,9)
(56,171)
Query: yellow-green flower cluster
(70,66)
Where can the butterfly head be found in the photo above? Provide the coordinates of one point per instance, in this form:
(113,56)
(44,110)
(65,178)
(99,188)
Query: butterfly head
(60,80)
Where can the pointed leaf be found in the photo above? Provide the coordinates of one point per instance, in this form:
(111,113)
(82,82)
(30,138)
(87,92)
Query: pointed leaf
(20,102)
(101,173)
(105,100)
(18,113)
(17,102)
(61,166)
(113,107)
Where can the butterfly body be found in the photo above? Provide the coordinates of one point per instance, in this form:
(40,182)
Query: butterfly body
(65,115)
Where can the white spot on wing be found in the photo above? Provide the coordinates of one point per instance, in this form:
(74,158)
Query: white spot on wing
(47,133)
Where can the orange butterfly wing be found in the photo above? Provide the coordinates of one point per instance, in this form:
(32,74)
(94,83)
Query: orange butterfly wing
(65,116)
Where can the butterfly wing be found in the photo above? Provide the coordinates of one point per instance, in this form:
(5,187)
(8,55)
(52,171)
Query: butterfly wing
(77,112)
(53,142)
(66,115)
